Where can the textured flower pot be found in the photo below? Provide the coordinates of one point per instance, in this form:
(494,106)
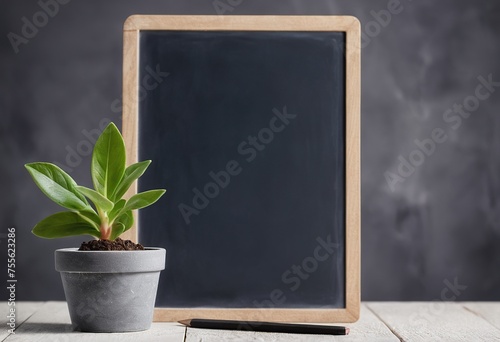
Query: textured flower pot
(110,291)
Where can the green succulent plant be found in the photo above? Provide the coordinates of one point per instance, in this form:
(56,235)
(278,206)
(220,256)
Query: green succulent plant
(110,215)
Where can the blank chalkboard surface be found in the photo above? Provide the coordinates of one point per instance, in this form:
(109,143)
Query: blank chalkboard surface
(253,128)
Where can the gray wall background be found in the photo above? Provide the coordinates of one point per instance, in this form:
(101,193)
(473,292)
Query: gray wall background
(440,224)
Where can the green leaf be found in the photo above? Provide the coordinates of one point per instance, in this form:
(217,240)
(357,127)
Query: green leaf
(57,185)
(64,224)
(99,200)
(108,161)
(127,219)
(132,172)
(91,217)
(122,224)
(116,209)
(143,199)
(117,229)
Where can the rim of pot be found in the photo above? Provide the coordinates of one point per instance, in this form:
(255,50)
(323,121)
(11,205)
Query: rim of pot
(152,259)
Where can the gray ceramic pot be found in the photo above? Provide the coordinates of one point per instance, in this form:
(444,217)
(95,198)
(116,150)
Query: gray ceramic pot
(110,291)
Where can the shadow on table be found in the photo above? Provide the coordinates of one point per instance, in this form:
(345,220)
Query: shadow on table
(52,328)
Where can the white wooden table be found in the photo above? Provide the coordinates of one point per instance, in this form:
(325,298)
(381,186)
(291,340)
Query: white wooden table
(380,321)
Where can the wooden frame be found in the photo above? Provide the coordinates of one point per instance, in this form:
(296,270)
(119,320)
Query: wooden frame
(350,25)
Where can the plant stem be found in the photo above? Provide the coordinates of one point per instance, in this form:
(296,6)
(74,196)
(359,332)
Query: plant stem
(105,228)
(105,232)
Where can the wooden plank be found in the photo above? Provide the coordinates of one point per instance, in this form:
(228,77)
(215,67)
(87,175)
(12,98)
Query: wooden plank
(241,23)
(52,323)
(353,170)
(434,321)
(46,320)
(368,328)
(129,111)
(411,321)
(212,335)
(23,311)
(490,311)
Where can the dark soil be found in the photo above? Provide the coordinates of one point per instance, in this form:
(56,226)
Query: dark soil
(108,245)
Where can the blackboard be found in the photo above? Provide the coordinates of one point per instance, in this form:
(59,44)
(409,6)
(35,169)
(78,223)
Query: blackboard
(247,130)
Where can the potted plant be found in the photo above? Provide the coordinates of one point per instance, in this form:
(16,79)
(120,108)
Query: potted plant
(110,284)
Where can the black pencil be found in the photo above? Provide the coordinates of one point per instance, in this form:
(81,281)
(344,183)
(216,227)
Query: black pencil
(266,327)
